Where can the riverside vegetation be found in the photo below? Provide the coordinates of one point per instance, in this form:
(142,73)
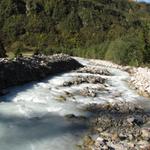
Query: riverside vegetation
(106,29)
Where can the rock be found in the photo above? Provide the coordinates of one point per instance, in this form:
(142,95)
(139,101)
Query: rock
(122,137)
(70,116)
(130,120)
(120,126)
(143,144)
(88,143)
(61,98)
(85,79)
(102,144)
(105,147)
(68,94)
(88,92)
(99,129)
(114,136)
(145,133)
(135,120)
(75,118)
(131,145)
(23,69)
(140,80)
(94,70)
(130,136)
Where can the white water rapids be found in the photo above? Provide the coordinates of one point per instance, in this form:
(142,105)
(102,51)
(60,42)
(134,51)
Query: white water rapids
(32,117)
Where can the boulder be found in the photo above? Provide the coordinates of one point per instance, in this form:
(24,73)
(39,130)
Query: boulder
(146,133)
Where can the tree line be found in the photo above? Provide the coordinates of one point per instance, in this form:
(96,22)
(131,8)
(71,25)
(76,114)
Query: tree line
(106,29)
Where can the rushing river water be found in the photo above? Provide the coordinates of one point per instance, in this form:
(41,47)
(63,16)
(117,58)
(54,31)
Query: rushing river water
(32,117)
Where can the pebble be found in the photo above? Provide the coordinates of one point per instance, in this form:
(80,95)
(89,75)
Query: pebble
(121,128)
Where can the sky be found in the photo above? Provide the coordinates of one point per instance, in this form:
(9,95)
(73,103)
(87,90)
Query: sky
(148,1)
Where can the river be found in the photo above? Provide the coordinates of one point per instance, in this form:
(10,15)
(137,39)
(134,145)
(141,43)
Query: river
(32,116)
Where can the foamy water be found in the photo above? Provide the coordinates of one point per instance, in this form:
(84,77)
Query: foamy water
(32,116)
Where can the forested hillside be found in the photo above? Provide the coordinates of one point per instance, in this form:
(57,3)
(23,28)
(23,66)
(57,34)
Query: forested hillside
(117,30)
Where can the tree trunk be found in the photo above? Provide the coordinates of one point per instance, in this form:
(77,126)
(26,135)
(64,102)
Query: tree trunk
(2,50)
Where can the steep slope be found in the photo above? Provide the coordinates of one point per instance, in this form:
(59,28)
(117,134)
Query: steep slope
(86,28)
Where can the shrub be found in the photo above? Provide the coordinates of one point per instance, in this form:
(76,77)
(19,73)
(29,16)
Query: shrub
(127,50)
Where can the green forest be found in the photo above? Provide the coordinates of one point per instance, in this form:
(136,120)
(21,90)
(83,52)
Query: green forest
(116,30)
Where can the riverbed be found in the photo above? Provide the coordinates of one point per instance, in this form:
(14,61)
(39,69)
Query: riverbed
(33,116)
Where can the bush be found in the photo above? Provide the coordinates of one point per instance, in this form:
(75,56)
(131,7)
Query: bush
(116,30)
(17,52)
(2,50)
(128,50)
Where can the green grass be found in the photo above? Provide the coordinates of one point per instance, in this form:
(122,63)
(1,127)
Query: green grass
(25,54)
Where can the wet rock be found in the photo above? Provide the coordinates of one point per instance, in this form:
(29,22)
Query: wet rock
(68,94)
(127,69)
(70,116)
(75,118)
(85,79)
(88,92)
(61,98)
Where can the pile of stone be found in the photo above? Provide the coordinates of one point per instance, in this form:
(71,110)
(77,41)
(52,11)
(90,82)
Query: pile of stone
(93,91)
(25,69)
(104,63)
(140,80)
(118,126)
(85,79)
(88,92)
(94,70)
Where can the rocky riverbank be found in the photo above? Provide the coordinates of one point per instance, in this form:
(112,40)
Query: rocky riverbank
(140,80)
(122,126)
(140,77)
(24,69)
(95,97)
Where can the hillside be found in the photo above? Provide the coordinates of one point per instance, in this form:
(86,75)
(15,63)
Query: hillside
(107,29)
